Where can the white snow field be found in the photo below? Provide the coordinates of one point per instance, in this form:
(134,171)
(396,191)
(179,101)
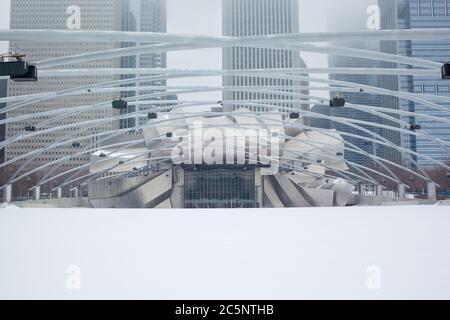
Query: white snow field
(359,252)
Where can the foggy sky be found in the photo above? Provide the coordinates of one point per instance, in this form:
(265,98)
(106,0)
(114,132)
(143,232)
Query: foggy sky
(204,17)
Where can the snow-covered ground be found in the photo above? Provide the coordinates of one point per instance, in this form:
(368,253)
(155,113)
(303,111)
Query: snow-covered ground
(359,252)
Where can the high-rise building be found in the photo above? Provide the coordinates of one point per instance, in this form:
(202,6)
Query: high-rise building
(388,16)
(414,14)
(3,86)
(320,123)
(362,98)
(253,18)
(55,15)
(52,14)
(357,98)
(143,16)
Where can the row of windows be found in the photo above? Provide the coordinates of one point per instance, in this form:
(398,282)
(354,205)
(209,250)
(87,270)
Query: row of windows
(250,17)
(436,89)
(431,7)
(219,188)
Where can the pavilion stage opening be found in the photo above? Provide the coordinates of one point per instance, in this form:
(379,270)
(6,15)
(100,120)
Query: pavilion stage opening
(219,187)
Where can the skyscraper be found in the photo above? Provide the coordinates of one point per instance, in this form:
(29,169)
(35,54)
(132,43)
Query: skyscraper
(414,14)
(357,98)
(320,123)
(336,23)
(252,18)
(52,14)
(143,16)
(388,14)
(55,15)
(3,86)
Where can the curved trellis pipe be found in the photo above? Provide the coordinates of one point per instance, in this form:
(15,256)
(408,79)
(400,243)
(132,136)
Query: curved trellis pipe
(88,88)
(200,73)
(369,179)
(358,150)
(71,181)
(255,116)
(375,90)
(49,176)
(436,72)
(376,158)
(66,112)
(42,168)
(377,141)
(389,178)
(329,155)
(293,42)
(290,166)
(163,91)
(332,50)
(440,34)
(442,143)
(114,90)
(170,44)
(200,44)
(63,142)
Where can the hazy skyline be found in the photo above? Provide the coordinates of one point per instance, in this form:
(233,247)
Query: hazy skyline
(205,17)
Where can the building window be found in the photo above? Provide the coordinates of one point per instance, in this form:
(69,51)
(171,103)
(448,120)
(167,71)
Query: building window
(219,187)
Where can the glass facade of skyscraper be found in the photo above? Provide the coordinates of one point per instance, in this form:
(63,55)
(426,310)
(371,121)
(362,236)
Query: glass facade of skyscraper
(400,14)
(142,16)
(260,17)
(357,98)
(423,14)
(352,135)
